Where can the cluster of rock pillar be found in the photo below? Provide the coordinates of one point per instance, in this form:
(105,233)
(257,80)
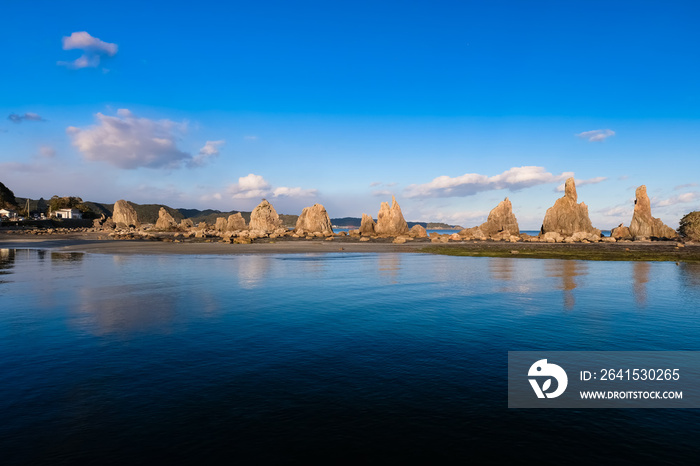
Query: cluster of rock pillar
(566,221)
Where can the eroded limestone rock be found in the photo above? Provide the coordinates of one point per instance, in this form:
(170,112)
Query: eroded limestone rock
(643,225)
(315,219)
(124,215)
(566,217)
(264,218)
(390,220)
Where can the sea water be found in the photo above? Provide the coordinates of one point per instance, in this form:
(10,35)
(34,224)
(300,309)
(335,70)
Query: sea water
(330,357)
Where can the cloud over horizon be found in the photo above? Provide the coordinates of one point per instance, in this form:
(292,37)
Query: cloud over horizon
(469,184)
(680,199)
(255,186)
(596,135)
(596,180)
(93,50)
(128,142)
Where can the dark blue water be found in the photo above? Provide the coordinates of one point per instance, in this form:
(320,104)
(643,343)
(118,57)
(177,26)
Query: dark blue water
(323,358)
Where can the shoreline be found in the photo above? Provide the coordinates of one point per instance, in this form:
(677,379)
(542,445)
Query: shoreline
(622,251)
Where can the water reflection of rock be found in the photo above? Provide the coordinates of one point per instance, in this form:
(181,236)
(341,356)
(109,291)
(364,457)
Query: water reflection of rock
(125,309)
(640,272)
(690,274)
(568,271)
(501,268)
(67,257)
(252,270)
(389,266)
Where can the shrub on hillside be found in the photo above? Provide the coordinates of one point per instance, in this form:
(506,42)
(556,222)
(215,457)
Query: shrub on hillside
(690,226)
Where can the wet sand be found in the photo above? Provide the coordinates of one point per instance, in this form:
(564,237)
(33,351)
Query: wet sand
(89,242)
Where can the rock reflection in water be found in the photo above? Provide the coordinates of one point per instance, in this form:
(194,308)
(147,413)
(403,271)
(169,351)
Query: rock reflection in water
(252,270)
(640,271)
(67,257)
(501,268)
(568,271)
(125,309)
(389,266)
(690,274)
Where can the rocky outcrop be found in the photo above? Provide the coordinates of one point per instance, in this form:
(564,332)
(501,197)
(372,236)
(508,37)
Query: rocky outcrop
(501,220)
(314,219)
(367,226)
(220,225)
(566,217)
(264,218)
(186,224)
(165,221)
(643,225)
(390,220)
(472,233)
(417,231)
(124,215)
(235,222)
(620,232)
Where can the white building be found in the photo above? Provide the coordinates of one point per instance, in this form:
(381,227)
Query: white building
(8,213)
(68,213)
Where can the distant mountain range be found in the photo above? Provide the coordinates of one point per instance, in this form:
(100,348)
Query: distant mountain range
(148,213)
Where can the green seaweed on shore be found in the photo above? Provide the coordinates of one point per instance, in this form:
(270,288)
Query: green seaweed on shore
(553,252)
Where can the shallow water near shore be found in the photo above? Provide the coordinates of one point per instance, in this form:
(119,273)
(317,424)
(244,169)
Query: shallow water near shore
(333,357)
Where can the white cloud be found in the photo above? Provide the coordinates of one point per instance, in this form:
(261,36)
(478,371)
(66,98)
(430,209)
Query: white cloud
(596,180)
(93,50)
(129,142)
(375,184)
(284,191)
(251,138)
(249,186)
(469,184)
(252,186)
(28,116)
(680,199)
(596,135)
(209,151)
(381,192)
(617,211)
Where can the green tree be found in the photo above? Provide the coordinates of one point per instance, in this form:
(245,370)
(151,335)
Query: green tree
(690,226)
(41,205)
(7,198)
(66,202)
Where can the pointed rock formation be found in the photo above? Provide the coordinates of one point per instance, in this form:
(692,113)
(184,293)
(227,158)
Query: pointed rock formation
(501,220)
(165,220)
(643,225)
(264,218)
(566,217)
(367,226)
(235,222)
(124,215)
(390,220)
(314,219)
(417,231)
(186,224)
(220,224)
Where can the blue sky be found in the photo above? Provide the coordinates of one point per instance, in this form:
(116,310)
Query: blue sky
(450,106)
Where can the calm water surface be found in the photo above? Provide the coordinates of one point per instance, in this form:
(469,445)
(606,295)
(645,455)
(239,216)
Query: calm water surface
(330,358)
